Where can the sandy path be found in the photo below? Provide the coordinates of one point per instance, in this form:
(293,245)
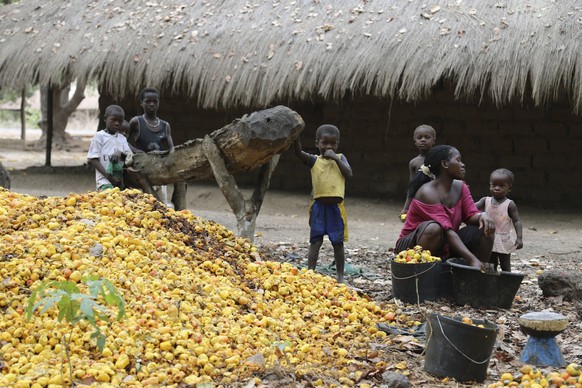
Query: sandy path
(551,234)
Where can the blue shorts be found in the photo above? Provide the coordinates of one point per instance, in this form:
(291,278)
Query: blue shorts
(328,219)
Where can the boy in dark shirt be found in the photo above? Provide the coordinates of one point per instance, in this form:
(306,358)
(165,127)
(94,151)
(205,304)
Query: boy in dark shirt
(149,133)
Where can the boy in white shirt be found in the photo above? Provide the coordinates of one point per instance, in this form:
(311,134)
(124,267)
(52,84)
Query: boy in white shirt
(108,150)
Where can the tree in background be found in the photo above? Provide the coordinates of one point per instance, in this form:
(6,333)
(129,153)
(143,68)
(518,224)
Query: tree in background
(63,108)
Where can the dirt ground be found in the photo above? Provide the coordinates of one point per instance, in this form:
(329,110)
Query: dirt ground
(552,235)
(552,240)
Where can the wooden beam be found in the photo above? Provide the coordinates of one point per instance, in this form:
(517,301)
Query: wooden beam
(23,115)
(49,128)
(244,145)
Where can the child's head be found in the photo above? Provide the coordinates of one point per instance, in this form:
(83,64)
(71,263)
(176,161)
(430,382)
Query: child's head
(327,137)
(424,138)
(124,129)
(149,99)
(114,117)
(500,183)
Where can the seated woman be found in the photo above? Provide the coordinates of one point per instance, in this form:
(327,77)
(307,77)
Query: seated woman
(438,208)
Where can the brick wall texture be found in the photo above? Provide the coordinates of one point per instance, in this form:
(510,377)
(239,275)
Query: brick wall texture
(542,146)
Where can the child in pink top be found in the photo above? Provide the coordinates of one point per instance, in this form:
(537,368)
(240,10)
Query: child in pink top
(439,206)
(504,213)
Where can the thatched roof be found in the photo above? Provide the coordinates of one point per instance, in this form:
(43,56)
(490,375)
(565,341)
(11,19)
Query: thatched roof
(224,53)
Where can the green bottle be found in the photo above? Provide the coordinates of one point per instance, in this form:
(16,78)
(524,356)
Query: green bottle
(116,169)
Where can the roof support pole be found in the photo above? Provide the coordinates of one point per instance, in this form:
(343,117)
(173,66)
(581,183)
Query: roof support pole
(23,115)
(49,128)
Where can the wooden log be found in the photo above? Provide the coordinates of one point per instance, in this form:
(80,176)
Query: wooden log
(245,210)
(179,195)
(4,177)
(245,144)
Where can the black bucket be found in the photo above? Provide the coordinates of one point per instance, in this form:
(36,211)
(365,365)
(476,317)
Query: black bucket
(459,350)
(481,290)
(415,283)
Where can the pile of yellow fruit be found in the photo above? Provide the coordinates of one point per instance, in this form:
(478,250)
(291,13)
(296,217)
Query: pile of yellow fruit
(201,306)
(416,255)
(532,377)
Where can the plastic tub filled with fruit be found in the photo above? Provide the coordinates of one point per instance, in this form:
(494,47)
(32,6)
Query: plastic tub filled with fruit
(418,276)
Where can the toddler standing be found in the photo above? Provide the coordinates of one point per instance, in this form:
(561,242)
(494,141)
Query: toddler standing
(504,213)
(327,215)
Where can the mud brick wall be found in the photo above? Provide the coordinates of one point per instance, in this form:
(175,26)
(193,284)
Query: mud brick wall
(542,146)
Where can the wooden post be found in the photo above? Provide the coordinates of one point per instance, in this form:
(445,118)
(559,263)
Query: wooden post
(23,116)
(245,211)
(49,128)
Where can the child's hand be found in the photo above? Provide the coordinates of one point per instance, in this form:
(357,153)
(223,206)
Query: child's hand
(116,157)
(487,224)
(115,181)
(518,244)
(330,154)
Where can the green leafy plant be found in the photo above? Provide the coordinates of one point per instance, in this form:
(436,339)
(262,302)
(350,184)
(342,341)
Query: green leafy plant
(75,306)
(280,350)
(33,117)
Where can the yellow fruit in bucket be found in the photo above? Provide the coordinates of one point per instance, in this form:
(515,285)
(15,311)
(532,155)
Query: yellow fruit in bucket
(416,255)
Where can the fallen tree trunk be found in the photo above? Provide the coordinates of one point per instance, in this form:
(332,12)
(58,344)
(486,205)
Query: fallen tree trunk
(245,144)
(253,141)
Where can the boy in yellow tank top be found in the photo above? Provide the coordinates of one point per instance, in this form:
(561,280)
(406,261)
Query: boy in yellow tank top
(327,215)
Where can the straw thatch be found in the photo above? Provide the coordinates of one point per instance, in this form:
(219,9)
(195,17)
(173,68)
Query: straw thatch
(225,53)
